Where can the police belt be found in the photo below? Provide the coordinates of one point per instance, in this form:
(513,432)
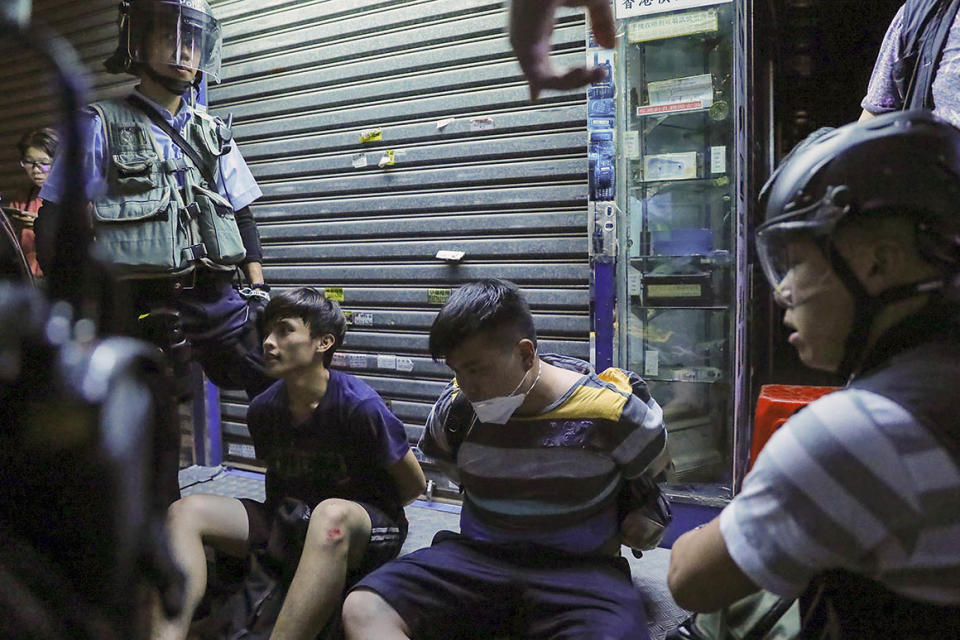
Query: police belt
(200,278)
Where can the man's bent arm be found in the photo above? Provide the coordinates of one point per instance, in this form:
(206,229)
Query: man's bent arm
(254,272)
(408,476)
(702,575)
(433,440)
(253,263)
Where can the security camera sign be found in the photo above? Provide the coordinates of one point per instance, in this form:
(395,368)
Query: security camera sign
(631,8)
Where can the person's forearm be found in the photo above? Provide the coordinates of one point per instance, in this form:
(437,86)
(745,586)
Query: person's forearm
(254,272)
(702,575)
(409,478)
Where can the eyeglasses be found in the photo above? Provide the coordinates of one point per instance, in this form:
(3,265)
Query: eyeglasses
(43,166)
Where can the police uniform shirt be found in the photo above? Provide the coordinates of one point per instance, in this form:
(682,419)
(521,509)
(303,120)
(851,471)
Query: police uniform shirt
(235,182)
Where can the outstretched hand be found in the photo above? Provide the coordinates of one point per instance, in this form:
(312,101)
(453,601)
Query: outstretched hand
(531,27)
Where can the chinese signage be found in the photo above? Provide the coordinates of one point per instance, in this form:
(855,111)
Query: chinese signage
(631,8)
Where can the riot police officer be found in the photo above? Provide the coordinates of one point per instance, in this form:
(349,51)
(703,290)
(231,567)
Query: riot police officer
(169,196)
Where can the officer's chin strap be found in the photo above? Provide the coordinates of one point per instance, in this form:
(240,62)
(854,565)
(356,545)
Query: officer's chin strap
(867,307)
(176,87)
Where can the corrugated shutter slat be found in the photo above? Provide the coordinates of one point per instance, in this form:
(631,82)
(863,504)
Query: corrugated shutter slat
(323,92)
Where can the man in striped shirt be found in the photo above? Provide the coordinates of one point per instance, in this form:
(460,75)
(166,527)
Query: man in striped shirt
(855,503)
(542,447)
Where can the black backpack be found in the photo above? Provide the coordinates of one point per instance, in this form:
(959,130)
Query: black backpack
(926,25)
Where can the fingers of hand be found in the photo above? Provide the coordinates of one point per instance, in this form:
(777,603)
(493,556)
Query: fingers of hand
(601,20)
(24,217)
(572,78)
(531,29)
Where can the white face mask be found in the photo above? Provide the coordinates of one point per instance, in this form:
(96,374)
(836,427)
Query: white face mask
(499,409)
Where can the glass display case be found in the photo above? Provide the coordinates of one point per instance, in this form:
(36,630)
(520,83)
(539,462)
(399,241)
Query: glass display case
(679,273)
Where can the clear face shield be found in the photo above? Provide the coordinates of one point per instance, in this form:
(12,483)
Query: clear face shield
(170,34)
(791,250)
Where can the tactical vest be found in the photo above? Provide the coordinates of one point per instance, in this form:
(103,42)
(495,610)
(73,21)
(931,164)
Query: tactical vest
(148,225)
(921,373)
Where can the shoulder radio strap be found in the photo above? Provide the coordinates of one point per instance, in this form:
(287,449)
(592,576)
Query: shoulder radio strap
(178,139)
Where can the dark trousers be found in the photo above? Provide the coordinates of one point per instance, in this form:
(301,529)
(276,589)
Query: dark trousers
(215,323)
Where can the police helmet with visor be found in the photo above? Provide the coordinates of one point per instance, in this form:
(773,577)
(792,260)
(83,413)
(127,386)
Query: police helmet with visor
(188,27)
(905,163)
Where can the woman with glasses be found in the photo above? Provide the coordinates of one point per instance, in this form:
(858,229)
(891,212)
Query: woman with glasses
(37,149)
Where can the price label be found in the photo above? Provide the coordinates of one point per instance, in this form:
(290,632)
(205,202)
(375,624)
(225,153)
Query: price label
(674,291)
(651,363)
(438,296)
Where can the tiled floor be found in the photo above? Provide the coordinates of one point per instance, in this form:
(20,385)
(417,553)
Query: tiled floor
(426,518)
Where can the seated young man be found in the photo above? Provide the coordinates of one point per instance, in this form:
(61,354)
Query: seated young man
(541,446)
(327,439)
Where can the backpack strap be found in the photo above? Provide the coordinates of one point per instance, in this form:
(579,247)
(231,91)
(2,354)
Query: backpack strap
(462,415)
(926,26)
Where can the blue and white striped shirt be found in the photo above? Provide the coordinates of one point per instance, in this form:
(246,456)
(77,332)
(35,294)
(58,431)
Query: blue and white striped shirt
(851,482)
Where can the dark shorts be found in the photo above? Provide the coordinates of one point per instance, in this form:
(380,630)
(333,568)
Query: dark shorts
(458,588)
(386,535)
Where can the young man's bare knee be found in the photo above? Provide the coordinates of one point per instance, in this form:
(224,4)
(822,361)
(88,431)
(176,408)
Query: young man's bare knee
(214,520)
(339,524)
(185,515)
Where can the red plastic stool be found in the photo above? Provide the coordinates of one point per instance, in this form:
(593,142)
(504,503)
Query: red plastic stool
(777,402)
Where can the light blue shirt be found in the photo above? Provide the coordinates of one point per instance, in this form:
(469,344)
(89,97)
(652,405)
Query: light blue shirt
(235,181)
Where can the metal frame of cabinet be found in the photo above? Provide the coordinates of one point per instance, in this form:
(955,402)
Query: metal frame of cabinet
(682,127)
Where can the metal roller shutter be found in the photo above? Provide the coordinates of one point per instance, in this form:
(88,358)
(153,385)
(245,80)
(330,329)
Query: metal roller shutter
(27,100)
(476,168)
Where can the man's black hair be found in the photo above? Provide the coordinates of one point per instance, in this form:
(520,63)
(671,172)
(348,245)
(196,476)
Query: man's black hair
(320,314)
(492,306)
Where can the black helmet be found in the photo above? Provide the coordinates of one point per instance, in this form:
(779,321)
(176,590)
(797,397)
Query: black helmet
(191,23)
(906,162)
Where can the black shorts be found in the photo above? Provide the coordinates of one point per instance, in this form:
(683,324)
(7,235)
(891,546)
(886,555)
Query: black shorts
(459,588)
(386,535)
